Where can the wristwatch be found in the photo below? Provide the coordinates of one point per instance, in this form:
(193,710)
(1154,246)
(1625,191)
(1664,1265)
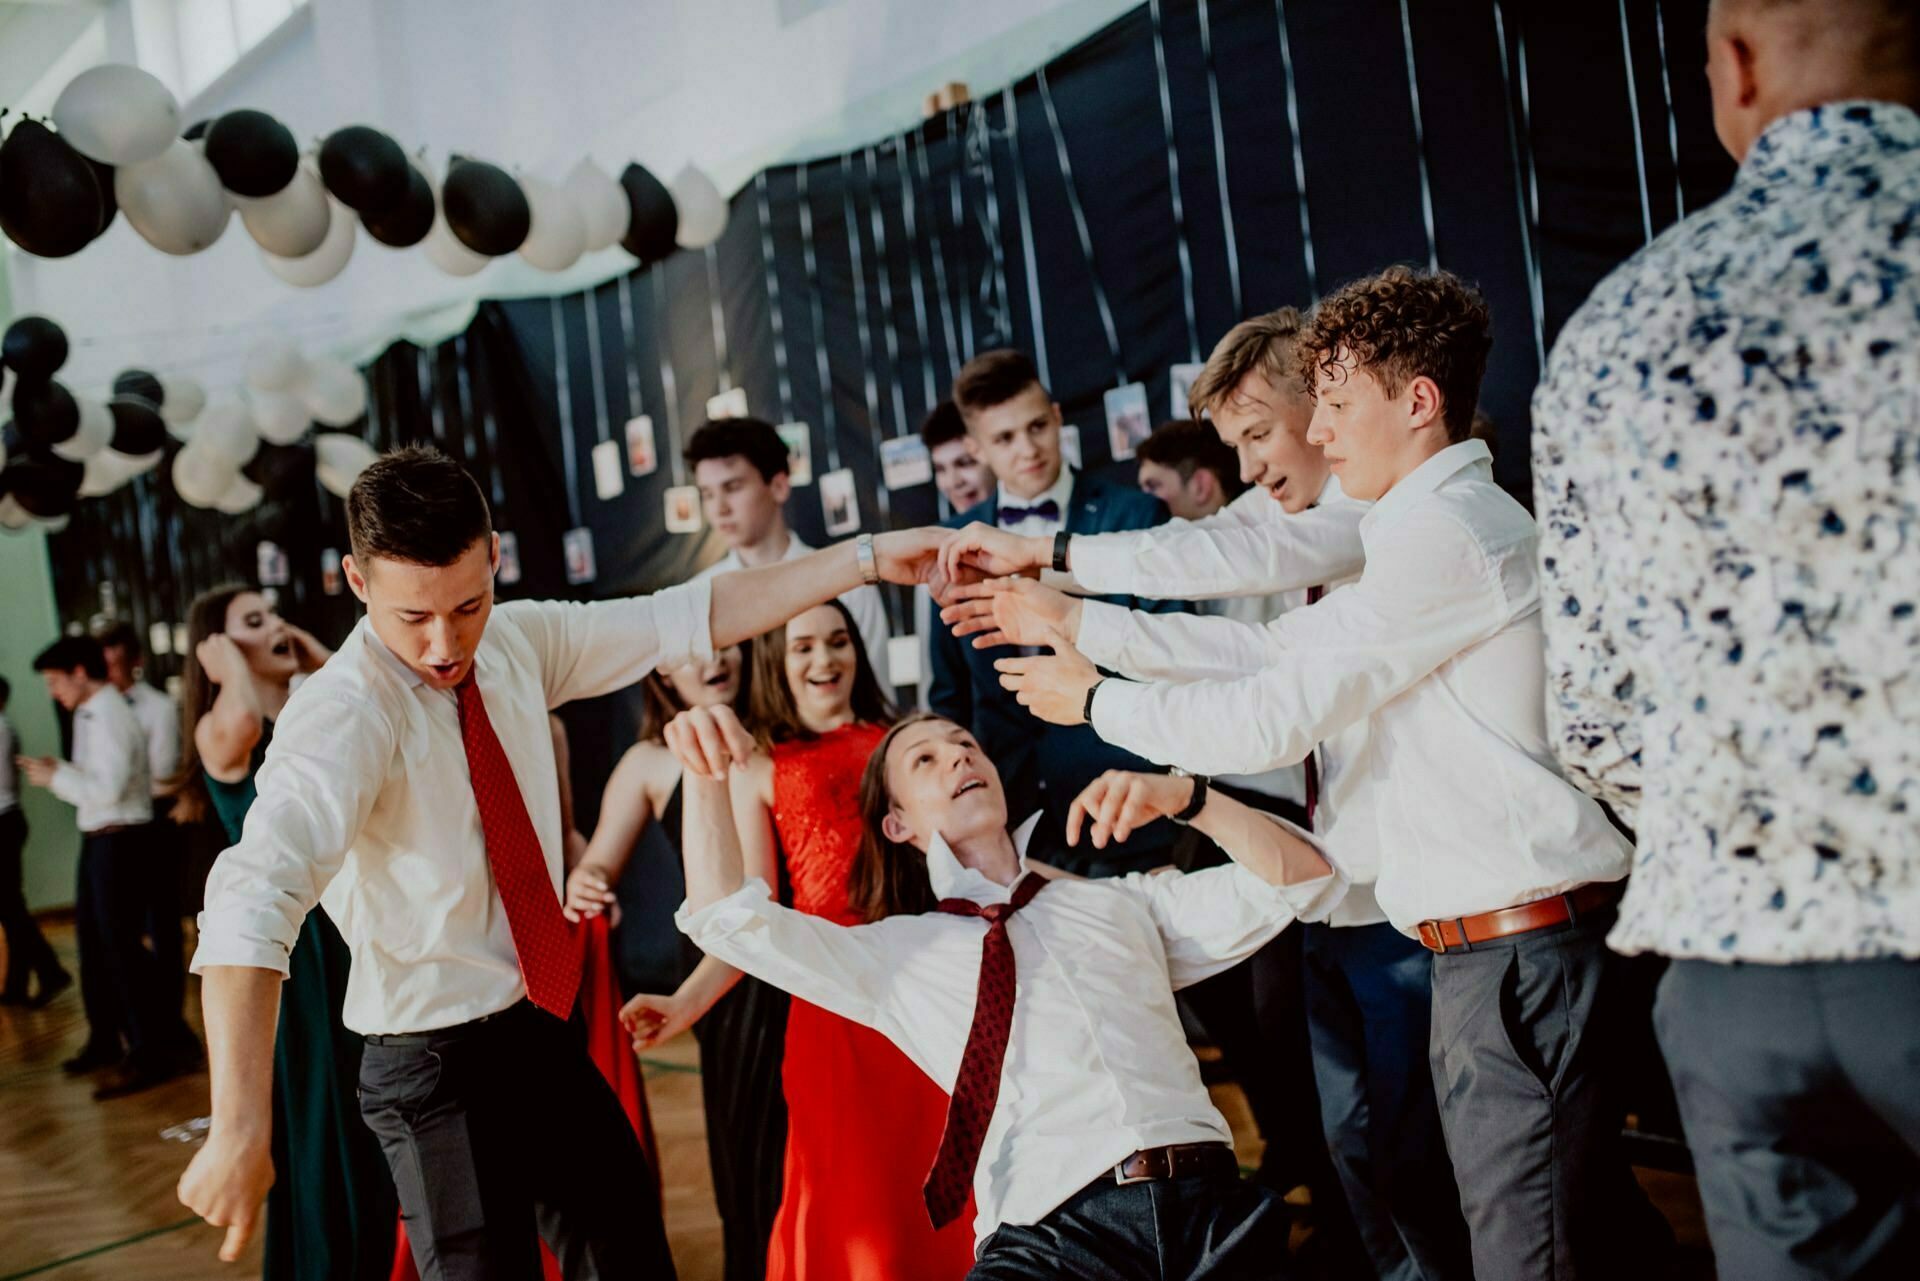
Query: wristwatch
(869,565)
(1086,712)
(1197,802)
(1060,541)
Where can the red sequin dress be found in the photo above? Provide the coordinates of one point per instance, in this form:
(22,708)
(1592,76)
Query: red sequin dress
(863,1121)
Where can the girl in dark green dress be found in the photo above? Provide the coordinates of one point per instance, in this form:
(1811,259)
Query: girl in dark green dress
(332,1210)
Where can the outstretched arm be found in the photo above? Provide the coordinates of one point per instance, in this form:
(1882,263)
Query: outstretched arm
(228,1177)
(748,602)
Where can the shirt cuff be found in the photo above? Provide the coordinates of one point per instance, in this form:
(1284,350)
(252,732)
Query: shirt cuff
(228,938)
(68,783)
(683,623)
(1102,634)
(710,926)
(1102,565)
(1116,704)
(1311,900)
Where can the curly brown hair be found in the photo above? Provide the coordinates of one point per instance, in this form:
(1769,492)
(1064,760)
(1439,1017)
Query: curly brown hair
(1401,324)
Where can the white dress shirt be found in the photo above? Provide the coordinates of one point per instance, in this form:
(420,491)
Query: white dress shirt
(366,806)
(159,718)
(1438,650)
(106,781)
(1060,494)
(864,602)
(1097,1065)
(9,772)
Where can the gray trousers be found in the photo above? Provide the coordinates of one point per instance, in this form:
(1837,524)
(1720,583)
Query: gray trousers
(1523,1032)
(1800,1089)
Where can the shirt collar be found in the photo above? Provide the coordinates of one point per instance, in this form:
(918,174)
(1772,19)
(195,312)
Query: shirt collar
(1061,493)
(374,645)
(1330,492)
(953,879)
(1421,481)
(1801,138)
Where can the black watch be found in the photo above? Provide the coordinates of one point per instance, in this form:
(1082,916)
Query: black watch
(1086,712)
(1060,551)
(1198,801)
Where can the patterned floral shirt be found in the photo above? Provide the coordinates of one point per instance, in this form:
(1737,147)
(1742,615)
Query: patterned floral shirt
(1727,459)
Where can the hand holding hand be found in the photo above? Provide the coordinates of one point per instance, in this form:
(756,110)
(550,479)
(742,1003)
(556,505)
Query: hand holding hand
(982,550)
(1012,611)
(1121,802)
(709,741)
(38,769)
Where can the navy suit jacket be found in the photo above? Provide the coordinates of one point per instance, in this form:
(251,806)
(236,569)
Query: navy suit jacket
(1045,766)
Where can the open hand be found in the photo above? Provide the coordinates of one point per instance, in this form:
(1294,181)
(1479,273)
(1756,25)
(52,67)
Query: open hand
(709,741)
(1011,611)
(1051,686)
(1121,802)
(651,1020)
(225,1184)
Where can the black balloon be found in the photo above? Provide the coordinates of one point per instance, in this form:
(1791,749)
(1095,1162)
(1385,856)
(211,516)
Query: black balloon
(254,154)
(137,427)
(655,219)
(138,382)
(409,221)
(44,484)
(50,201)
(364,169)
(109,203)
(34,348)
(198,129)
(46,413)
(486,209)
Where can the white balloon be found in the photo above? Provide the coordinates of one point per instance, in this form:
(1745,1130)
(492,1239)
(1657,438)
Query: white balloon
(702,209)
(182,401)
(201,475)
(558,234)
(95,433)
(241,495)
(141,464)
(291,223)
(275,364)
(339,459)
(13,515)
(334,393)
(326,262)
(228,429)
(106,472)
(174,200)
(279,416)
(602,203)
(54,524)
(117,114)
(442,247)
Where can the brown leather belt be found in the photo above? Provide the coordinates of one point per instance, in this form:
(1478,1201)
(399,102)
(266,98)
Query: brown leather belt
(1465,931)
(1178,1161)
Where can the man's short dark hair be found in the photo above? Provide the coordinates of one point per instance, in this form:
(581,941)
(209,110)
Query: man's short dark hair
(943,424)
(416,505)
(6,690)
(70,653)
(1187,446)
(120,635)
(747,438)
(993,378)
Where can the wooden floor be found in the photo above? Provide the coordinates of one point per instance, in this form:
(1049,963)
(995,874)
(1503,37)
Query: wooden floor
(86,1189)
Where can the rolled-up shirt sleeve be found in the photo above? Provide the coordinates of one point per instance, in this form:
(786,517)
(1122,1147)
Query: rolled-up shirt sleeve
(1243,550)
(330,757)
(591,648)
(1211,920)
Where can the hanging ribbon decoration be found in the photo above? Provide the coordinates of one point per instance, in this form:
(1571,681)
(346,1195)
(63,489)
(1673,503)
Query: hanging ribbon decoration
(784,381)
(993,290)
(1028,252)
(669,386)
(464,389)
(883,276)
(718,319)
(602,428)
(490,430)
(630,345)
(1673,125)
(1080,228)
(829,419)
(1220,157)
(962,295)
(909,224)
(423,387)
(1633,103)
(1526,190)
(563,397)
(1419,138)
(1173,182)
(1299,153)
(861,327)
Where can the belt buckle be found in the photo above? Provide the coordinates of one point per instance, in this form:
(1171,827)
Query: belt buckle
(1123,1179)
(1433,936)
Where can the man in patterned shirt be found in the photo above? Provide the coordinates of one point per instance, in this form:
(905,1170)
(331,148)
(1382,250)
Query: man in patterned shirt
(1725,455)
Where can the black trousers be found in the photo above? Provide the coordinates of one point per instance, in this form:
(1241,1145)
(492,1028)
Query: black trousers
(119,977)
(165,851)
(1524,1034)
(1800,1089)
(501,1133)
(28,952)
(1204,1228)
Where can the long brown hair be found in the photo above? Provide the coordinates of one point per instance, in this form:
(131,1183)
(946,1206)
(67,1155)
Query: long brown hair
(207,616)
(660,702)
(775,716)
(888,878)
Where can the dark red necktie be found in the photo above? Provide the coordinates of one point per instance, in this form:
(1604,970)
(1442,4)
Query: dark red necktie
(1313,757)
(549,954)
(978,1085)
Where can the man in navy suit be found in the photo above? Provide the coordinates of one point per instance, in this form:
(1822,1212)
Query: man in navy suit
(1013,426)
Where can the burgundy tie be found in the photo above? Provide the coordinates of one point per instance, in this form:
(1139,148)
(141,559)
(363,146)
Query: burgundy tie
(978,1086)
(1313,757)
(549,955)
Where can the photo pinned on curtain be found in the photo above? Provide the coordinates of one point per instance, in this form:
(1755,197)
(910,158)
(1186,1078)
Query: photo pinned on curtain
(1180,381)
(731,403)
(905,462)
(330,570)
(683,510)
(159,640)
(903,660)
(838,503)
(1070,445)
(608,483)
(1128,422)
(799,439)
(509,572)
(271,563)
(179,638)
(643,455)
(577,545)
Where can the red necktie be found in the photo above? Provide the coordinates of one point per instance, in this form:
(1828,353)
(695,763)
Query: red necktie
(1313,757)
(978,1086)
(549,955)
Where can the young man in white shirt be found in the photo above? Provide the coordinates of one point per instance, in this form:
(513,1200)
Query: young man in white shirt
(409,791)
(1503,869)
(1078,1118)
(28,953)
(740,467)
(106,783)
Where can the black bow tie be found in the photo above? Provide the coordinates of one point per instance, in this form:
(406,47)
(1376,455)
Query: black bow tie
(1046,509)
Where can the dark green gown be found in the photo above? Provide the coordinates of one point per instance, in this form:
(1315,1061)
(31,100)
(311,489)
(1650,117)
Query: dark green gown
(332,1210)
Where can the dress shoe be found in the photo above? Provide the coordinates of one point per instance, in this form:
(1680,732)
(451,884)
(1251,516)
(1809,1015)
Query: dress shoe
(50,988)
(131,1080)
(91,1060)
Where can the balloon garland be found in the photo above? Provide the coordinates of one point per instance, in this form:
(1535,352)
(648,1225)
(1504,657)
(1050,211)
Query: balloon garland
(116,147)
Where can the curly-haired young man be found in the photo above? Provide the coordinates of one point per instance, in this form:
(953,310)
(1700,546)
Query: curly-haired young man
(1507,873)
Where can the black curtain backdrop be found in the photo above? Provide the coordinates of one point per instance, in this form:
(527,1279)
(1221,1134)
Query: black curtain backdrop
(1112,214)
